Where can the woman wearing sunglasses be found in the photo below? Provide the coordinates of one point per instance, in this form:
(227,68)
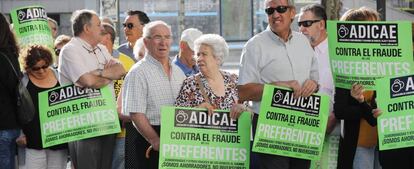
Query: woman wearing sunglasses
(60,41)
(38,77)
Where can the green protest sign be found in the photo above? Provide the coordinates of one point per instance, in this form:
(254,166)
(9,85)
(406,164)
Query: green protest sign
(361,52)
(395,98)
(291,127)
(71,113)
(31,27)
(329,157)
(190,138)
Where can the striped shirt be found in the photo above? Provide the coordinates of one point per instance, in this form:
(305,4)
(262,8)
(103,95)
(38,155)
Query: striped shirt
(147,88)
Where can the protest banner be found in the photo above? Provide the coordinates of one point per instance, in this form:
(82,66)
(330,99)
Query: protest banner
(291,127)
(395,98)
(190,138)
(71,113)
(31,27)
(361,52)
(329,157)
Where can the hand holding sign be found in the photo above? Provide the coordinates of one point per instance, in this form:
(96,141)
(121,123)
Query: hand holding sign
(207,106)
(292,84)
(376,112)
(308,88)
(357,91)
(237,109)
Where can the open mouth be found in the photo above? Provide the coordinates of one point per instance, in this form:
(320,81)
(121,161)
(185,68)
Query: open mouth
(200,64)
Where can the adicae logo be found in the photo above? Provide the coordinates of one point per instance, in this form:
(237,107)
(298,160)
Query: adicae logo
(54,96)
(21,15)
(397,85)
(278,96)
(181,116)
(343,31)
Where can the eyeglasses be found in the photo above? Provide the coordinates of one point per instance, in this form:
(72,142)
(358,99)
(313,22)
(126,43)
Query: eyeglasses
(279,9)
(159,38)
(93,51)
(38,68)
(57,51)
(307,23)
(128,25)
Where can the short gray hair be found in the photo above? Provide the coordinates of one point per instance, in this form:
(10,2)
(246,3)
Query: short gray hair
(148,28)
(79,19)
(290,2)
(216,42)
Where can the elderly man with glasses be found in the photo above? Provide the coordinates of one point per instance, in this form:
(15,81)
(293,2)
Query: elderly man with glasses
(282,57)
(150,84)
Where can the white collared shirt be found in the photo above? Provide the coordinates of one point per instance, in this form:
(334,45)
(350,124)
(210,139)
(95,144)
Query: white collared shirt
(325,75)
(267,58)
(147,88)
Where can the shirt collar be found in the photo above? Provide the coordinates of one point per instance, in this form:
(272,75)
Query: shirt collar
(323,46)
(277,37)
(86,45)
(115,53)
(128,46)
(154,61)
(187,71)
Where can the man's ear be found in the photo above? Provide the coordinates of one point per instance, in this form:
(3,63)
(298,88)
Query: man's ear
(145,41)
(293,13)
(182,45)
(323,24)
(86,28)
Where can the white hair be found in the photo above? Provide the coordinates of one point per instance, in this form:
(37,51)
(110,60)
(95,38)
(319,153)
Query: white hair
(139,44)
(149,26)
(216,42)
(290,2)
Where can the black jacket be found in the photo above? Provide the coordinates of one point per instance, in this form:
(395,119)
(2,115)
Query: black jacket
(351,111)
(8,83)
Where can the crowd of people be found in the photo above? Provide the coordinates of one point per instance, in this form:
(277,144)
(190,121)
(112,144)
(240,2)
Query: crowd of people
(143,77)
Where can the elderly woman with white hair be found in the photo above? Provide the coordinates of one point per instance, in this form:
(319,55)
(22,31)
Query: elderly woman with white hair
(212,88)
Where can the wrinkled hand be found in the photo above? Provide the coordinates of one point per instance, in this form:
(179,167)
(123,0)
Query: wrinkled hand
(207,106)
(357,91)
(308,88)
(236,110)
(21,140)
(155,146)
(292,84)
(111,63)
(376,112)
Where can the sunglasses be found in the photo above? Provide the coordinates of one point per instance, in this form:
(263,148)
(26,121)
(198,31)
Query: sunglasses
(38,68)
(57,52)
(307,23)
(128,25)
(279,9)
